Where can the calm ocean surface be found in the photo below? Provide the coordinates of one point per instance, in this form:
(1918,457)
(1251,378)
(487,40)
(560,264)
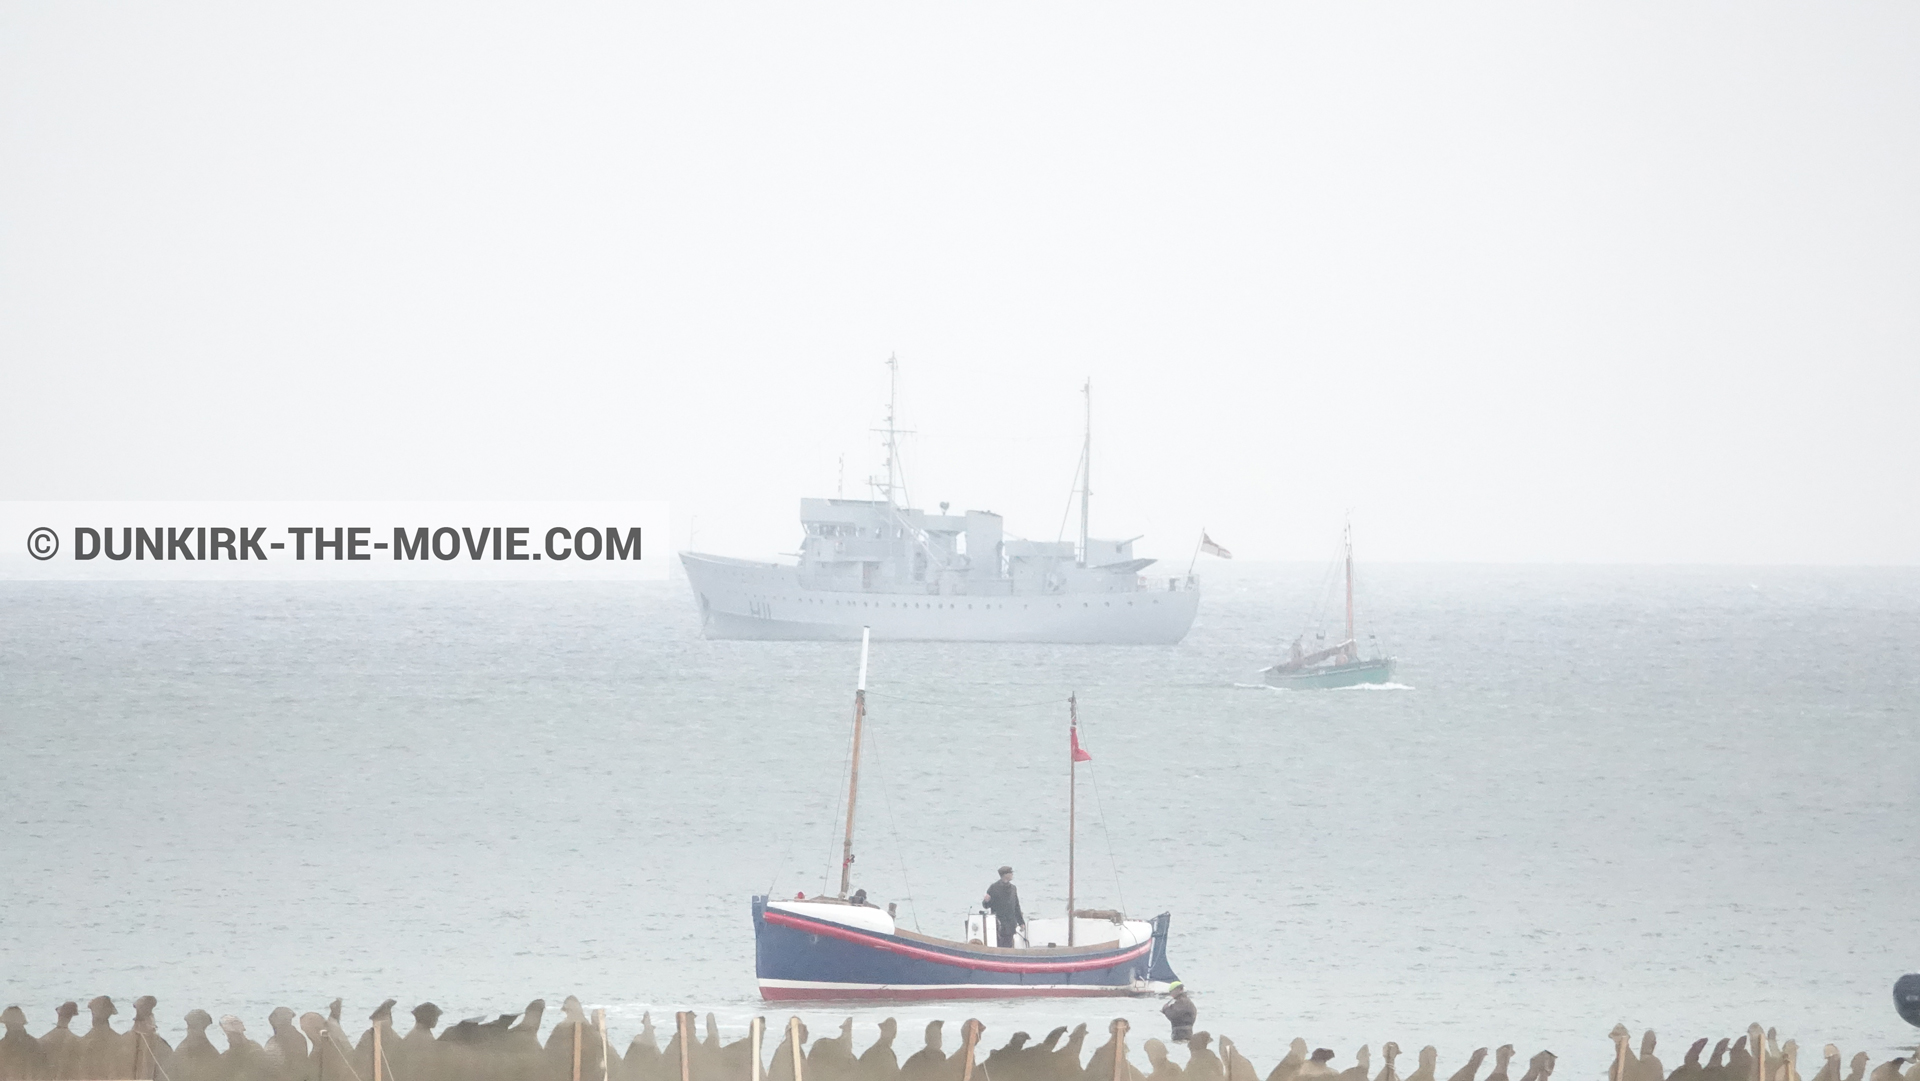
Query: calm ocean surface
(1678,798)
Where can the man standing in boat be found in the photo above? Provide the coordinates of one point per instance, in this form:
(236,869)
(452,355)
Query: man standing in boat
(1004,902)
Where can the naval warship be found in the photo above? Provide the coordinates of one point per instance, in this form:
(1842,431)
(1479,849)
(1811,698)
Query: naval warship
(910,574)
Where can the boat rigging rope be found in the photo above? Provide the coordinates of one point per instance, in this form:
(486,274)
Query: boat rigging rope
(1107,836)
(343,1049)
(153,1058)
(785,840)
(1078,469)
(1382,646)
(886,800)
(1325,591)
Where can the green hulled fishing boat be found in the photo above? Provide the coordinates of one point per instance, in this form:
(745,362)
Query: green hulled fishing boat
(1338,665)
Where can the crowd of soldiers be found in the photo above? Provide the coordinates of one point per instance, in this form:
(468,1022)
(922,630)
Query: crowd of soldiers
(316,1047)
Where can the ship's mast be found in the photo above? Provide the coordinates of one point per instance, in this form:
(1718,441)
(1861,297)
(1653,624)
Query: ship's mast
(853,774)
(892,432)
(1351,651)
(1086,470)
(1073,792)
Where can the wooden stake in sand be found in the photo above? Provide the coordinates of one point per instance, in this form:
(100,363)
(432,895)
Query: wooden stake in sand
(970,1038)
(793,1041)
(606,1063)
(756,1032)
(576,1052)
(1119,1029)
(683,1028)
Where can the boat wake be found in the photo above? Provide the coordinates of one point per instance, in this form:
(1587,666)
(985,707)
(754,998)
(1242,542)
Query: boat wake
(1301,690)
(1374,687)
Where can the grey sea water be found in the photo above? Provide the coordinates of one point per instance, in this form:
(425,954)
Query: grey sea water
(1679,798)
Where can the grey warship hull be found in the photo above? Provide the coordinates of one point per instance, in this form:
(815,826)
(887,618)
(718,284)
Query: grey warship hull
(743,599)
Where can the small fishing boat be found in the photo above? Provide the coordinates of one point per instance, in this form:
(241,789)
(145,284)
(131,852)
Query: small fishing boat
(1338,665)
(844,948)
(1906,998)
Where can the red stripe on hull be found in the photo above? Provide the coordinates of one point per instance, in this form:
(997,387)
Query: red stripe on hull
(921,994)
(956,960)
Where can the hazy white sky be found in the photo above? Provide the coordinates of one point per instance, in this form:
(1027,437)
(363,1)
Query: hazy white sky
(1608,282)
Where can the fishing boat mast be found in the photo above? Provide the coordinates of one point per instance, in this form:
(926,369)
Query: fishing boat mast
(1351,651)
(1073,792)
(853,774)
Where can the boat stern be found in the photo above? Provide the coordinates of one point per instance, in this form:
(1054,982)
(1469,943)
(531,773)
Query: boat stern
(1160,973)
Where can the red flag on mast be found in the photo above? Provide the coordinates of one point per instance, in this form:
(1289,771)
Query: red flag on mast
(1079,753)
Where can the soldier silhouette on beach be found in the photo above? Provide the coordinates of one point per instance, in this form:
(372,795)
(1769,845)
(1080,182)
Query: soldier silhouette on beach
(878,1062)
(101,1053)
(642,1061)
(196,1059)
(781,1068)
(1162,1066)
(21,1056)
(286,1051)
(61,1044)
(243,1060)
(930,1062)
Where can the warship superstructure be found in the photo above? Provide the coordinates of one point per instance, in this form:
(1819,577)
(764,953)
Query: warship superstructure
(911,574)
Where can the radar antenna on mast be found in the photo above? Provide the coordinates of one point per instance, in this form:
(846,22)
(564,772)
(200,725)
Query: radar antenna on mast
(896,474)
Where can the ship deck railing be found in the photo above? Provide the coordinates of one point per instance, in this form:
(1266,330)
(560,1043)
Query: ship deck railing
(963,589)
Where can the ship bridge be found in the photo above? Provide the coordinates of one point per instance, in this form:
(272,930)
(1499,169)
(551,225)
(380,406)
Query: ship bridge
(872,545)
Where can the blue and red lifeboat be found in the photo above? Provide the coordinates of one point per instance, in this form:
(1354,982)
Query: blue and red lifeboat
(826,948)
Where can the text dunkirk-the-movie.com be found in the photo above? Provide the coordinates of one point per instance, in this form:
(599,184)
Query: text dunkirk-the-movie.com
(268,541)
